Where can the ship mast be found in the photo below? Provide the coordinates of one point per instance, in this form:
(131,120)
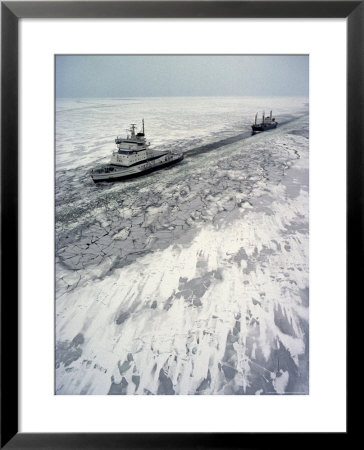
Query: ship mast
(143,125)
(256,115)
(263,116)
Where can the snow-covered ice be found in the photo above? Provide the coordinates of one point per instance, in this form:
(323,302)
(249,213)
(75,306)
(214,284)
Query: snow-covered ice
(190,280)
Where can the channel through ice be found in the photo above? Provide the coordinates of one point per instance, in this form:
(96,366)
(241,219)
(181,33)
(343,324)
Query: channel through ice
(192,279)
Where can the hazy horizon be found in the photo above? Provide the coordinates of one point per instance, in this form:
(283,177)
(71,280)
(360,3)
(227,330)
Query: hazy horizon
(129,76)
(179,96)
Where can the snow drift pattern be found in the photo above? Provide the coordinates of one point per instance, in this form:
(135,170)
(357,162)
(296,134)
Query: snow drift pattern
(192,280)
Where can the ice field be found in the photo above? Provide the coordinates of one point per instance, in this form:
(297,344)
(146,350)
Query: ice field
(193,279)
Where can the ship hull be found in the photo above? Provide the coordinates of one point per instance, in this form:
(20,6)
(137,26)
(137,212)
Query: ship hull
(264,127)
(124,174)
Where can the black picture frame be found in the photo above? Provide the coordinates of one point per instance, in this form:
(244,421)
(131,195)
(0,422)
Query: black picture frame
(11,12)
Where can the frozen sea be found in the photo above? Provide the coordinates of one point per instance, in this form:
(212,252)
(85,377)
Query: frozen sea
(192,279)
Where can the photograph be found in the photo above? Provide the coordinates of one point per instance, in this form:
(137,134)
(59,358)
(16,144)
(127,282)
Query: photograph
(181,196)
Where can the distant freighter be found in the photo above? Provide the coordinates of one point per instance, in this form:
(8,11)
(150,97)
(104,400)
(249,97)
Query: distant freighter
(267,123)
(133,158)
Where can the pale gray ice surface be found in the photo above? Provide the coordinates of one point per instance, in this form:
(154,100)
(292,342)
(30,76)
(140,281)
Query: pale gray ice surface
(191,280)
